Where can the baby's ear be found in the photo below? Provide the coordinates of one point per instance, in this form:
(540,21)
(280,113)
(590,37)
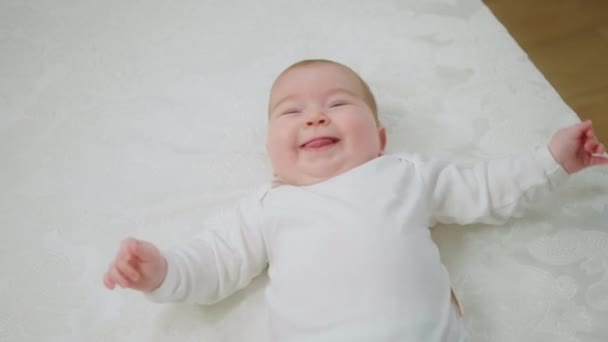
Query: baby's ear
(382,136)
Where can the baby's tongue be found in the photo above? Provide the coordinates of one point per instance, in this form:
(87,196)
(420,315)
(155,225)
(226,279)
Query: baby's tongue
(319,142)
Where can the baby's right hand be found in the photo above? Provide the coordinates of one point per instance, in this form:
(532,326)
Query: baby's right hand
(139,265)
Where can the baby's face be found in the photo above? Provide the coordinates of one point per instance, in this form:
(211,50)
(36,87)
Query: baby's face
(320,125)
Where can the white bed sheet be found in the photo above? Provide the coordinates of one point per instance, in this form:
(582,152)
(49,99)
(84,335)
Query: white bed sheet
(124,118)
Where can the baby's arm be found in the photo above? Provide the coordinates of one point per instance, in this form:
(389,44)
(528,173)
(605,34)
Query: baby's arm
(214,264)
(493,191)
(488,191)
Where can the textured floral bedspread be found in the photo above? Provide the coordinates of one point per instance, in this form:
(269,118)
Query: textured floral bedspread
(124,118)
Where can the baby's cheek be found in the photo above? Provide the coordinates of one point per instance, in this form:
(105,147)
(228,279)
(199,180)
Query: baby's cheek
(364,134)
(280,142)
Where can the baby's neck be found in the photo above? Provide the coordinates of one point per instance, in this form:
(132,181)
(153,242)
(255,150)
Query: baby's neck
(278,181)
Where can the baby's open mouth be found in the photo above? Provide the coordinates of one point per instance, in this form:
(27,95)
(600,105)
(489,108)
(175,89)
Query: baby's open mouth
(318,143)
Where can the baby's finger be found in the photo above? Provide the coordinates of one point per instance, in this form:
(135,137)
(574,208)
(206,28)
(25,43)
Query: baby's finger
(131,245)
(125,252)
(599,160)
(590,145)
(117,277)
(127,270)
(110,285)
(144,251)
(600,149)
(581,127)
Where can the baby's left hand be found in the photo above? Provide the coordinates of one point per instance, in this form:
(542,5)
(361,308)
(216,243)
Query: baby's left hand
(576,147)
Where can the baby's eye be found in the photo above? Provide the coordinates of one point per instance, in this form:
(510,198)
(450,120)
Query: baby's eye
(291,111)
(337,104)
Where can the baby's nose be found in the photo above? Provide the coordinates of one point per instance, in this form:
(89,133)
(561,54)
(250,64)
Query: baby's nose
(317,118)
(319,121)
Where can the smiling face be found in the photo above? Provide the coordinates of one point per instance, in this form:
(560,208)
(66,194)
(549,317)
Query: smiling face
(320,124)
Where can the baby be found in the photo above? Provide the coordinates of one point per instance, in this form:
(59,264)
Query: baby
(343,228)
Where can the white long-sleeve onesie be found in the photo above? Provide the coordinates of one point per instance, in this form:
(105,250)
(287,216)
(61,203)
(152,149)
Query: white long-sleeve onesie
(351,258)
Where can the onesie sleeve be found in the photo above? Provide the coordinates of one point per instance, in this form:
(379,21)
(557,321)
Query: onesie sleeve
(489,191)
(222,259)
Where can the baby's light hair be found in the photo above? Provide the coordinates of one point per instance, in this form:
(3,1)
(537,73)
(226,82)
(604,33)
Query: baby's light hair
(368,97)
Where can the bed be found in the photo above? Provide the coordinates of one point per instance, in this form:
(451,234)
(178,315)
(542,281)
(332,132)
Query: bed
(146,119)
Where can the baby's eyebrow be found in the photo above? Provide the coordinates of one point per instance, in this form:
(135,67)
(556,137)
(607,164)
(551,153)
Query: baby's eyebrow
(285,99)
(340,90)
